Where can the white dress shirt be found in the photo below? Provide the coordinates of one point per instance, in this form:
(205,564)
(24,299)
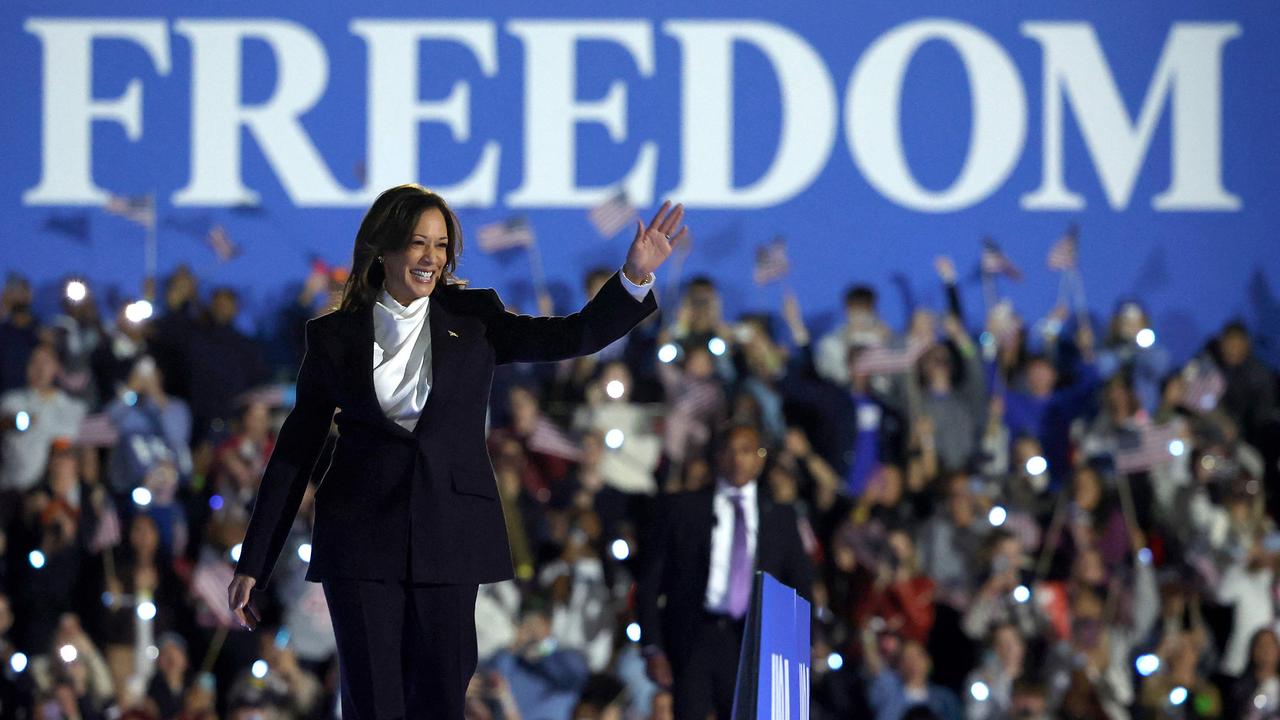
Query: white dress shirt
(402,353)
(722,540)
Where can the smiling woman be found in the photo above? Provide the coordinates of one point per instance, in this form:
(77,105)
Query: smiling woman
(407,518)
(410,240)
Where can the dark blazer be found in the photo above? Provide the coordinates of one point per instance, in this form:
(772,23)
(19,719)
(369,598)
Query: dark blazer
(420,505)
(677,563)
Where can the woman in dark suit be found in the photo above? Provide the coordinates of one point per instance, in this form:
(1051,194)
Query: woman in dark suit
(407,515)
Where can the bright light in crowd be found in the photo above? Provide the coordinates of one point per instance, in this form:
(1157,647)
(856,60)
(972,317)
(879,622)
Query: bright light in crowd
(141,496)
(259,669)
(667,353)
(235,552)
(717,346)
(18,661)
(146,610)
(76,291)
(1178,695)
(633,632)
(215,502)
(620,549)
(613,439)
(67,653)
(1036,465)
(137,311)
(835,661)
(1176,448)
(980,691)
(614,389)
(1144,556)
(107,598)
(1146,338)
(153,652)
(1022,593)
(36,558)
(997,516)
(304,552)
(1147,665)
(21,421)
(1260,701)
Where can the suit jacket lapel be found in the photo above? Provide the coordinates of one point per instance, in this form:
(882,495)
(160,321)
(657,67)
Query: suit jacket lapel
(440,323)
(358,370)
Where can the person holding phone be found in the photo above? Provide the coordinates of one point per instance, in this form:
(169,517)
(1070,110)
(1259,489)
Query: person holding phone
(407,516)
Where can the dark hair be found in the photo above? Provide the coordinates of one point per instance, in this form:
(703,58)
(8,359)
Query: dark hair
(388,227)
(700,281)
(1235,327)
(864,294)
(726,434)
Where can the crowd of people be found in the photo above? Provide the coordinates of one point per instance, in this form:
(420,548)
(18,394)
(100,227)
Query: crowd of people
(1004,518)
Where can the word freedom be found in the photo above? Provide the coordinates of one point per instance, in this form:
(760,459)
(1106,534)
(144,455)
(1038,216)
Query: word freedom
(1185,84)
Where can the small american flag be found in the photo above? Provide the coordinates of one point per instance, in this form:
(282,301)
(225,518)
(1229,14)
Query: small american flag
(1062,256)
(1204,386)
(512,233)
(209,584)
(890,360)
(140,209)
(1150,446)
(995,262)
(547,438)
(771,261)
(107,534)
(612,215)
(221,244)
(97,430)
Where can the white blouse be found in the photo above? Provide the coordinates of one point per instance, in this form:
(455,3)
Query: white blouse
(401,357)
(402,353)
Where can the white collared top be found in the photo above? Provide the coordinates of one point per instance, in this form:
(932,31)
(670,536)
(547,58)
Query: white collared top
(401,358)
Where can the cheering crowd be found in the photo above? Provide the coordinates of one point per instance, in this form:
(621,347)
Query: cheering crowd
(1005,517)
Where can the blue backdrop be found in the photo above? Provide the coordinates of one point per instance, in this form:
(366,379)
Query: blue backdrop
(872,135)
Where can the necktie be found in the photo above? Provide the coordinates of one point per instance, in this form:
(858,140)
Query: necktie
(739,561)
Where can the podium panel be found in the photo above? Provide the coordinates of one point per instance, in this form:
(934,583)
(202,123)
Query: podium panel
(773,668)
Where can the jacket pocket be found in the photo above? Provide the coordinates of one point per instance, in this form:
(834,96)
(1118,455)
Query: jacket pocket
(471,482)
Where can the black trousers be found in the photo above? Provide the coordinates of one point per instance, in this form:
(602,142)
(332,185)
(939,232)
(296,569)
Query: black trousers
(705,676)
(404,650)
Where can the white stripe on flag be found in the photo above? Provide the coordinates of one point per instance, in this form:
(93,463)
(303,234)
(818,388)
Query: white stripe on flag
(612,215)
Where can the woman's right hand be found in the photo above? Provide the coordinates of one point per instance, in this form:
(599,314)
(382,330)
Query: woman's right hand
(238,601)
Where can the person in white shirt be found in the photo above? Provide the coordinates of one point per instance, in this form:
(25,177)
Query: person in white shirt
(32,418)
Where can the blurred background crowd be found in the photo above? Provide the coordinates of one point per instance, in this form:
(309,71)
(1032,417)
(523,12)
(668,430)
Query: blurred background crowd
(1007,516)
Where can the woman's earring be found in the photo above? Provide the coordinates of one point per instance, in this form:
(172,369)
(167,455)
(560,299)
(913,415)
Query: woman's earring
(379,259)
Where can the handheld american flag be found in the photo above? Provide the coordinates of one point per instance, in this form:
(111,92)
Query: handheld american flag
(221,243)
(890,360)
(140,209)
(97,430)
(771,261)
(1062,256)
(612,215)
(1150,446)
(511,233)
(995,262)
(1204,386)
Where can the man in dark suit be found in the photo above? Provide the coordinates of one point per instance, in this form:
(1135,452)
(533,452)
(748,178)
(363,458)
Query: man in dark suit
(407,516)
(699,565)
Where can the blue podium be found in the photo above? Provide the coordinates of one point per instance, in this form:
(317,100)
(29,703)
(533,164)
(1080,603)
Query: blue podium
(773,668)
